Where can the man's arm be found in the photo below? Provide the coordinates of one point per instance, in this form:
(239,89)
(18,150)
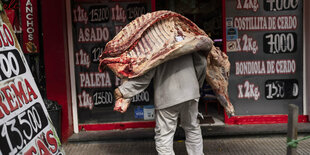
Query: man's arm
(130,88)
(136,85)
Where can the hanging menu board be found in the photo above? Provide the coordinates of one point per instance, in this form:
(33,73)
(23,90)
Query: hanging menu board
(25,126)
(94,24)
(264,42)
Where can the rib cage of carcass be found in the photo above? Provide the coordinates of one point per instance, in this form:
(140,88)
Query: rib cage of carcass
(157,37)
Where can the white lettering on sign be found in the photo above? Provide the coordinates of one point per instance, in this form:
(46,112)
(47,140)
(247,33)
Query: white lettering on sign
(80,15)
(98,34)
(134,12)
(21,129)
(248,90)
(287,22)
(260,67)
(271,67)
(280,43)
(96,52)
(29,16)
(85,100)
(285,66)
(95,80)
(248,5)
(6,38)
(279,5)
(281,89)
(82,58)
(246,44)
(275,89)
(141,97)
(9,65)
(99,14)
(117,81)
(249,44)
(118,13)
(100,98)
(252,23)
(250,68)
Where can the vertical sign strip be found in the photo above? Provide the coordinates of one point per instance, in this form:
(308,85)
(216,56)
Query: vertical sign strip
(29,18)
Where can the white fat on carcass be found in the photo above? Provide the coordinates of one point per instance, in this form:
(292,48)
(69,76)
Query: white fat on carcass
(179,38)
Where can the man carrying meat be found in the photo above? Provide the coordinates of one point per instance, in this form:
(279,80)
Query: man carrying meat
(176,88)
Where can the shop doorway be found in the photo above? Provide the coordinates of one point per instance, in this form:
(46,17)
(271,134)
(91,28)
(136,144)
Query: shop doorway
(207,15)
(211,112)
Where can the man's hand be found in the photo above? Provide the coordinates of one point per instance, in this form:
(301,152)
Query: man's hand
(117,94)
(121,105)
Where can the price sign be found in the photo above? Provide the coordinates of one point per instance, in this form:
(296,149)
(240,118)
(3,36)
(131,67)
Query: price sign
(25,126)
(281,89)
(94,25)
(275,43)
(20,130)
(264,43)
(280,5)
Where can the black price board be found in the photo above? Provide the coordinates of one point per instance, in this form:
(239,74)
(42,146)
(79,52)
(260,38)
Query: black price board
(25,126)
(95,24)
(281,89)
(264,42)
(21,129)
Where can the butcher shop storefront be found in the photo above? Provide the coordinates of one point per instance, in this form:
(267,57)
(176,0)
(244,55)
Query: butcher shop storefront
(264,40)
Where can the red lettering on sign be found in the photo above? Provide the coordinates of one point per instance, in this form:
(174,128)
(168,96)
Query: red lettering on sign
(6,38)
(30,91)
(4,108)
(31,151)
(8,95)
(20,94)
(43,148)
(51,140)
(14,98)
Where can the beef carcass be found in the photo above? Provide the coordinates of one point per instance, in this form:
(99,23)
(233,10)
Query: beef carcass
(150,40)
(217,75)
(157,37)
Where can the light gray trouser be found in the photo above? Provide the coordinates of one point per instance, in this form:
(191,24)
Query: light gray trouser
(166,123)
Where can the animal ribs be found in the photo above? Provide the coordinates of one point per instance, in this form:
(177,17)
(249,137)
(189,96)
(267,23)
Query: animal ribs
(150,40)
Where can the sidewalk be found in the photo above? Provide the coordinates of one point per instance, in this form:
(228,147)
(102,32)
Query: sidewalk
(248,145)
(226,139)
